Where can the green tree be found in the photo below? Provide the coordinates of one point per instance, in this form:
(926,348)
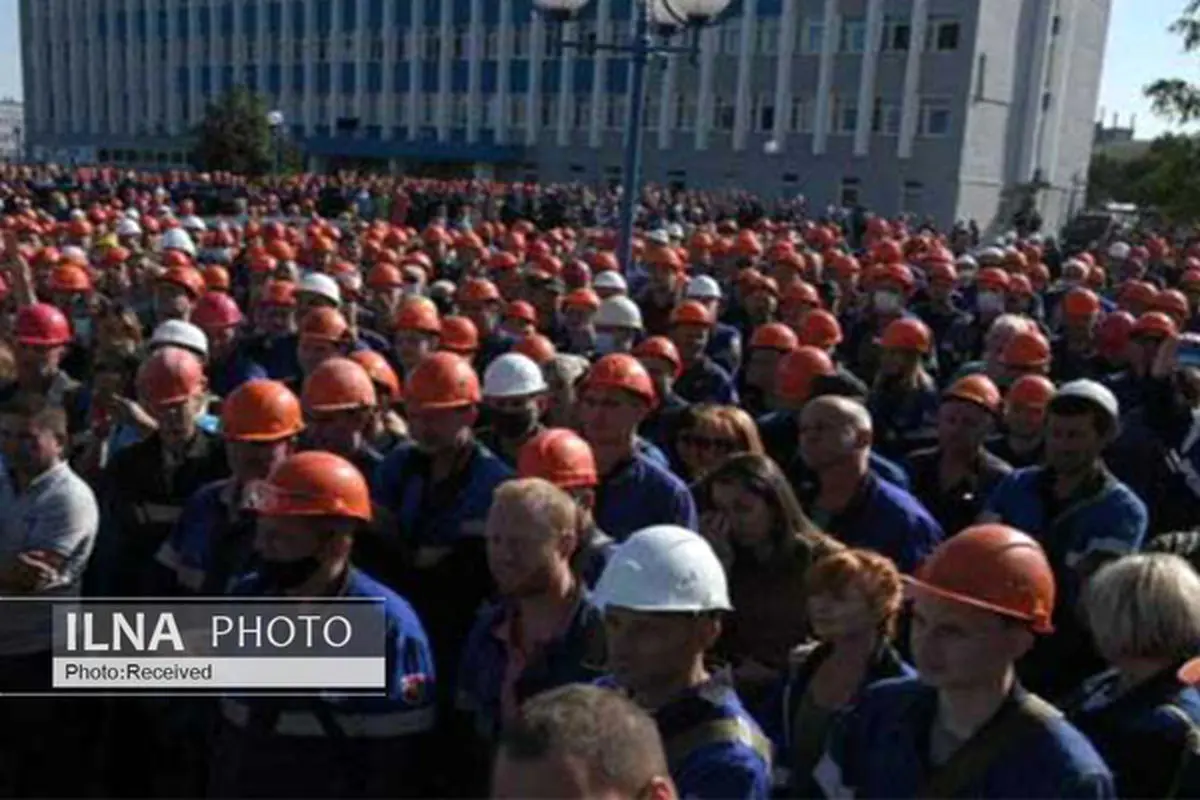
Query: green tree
(1178,99)
(1161,179)
(235,136)
(1109,181)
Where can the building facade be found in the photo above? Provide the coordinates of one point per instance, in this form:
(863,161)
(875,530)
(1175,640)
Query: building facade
(937,107)
(12,129)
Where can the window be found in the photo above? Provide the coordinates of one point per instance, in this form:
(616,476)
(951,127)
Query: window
(813,33)
(943,35)
(685,112)
(428,109)
(896,36)
(517,110)
(432,41)
(935,117)
(852,37)
(583,113)
(458,111)
(981,76)
(731,38)
(491,44)
(768,37)
(849,195)
(885,118)
(322,49)
(724,114)
(764,115)
(801,116)
(616,112)
(911,196)
(298,50)
(376,49)
(459,43)
(402,46)
(1056,25)
(520,41)
(491,111)
(845,116)
(251,50)
(549,111)
(651,113)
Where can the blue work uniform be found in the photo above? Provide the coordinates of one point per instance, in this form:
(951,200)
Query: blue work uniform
(789,724)
(331,745)
(880,748)
(705,381)
(227,375)
(725,347)
(780,434)
(904,420)
(884,518)
(277,355)
(576,655)
(659,425)
(1068,364)
(958,506)
(1149,734)
(212,543)
(639,493)
(1104,518)
(714,748)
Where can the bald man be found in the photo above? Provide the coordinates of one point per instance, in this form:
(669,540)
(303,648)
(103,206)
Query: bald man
(582,742)
(847,499)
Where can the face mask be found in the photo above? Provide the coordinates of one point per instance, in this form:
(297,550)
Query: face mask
(284,575)
(83,329)
(606,342)
(514,424)
(886,302)
(990,302)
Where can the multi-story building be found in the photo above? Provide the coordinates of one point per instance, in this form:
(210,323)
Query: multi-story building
(937,107)
(12,129)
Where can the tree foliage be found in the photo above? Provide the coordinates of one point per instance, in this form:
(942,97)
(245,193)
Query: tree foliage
(1154,181)
(235,136)
(1178,99)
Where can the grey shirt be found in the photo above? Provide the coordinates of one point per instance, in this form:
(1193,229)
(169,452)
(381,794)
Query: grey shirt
(56,512)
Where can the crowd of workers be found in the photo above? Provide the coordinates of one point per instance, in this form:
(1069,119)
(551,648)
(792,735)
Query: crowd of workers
(788,506)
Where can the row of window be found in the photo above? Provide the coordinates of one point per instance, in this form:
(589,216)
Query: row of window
(942,35)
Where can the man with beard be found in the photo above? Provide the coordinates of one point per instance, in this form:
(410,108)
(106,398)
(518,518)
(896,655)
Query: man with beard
(516,395)
(543,633)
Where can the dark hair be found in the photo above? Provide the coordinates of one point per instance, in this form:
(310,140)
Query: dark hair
(614,739)
(1071,406)
(761,476)
(39,413)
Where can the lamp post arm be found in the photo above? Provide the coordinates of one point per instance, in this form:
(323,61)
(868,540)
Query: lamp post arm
(632,172)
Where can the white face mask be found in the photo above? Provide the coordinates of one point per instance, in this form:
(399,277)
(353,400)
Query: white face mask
(886,302)
(606,342)
(990,302)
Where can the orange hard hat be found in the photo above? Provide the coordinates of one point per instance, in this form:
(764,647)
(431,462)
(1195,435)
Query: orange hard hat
(385,276)
(338,384)
(42,325)
(380,372)
(459,335)
(941,272)
(796,370)
(1136,292)
(442,380)
(605,261)
(775,336)
(281,250)
(313,484)
(844,264)
(1031,391)
(418,314)
(70,278)
(263,263)
(170,375)
(800,293)
(1155,323)
(1080,302)
(324,324)
(261,410)
(503,261)
(1113,332)
(478,290)
(820,328)
(907,333)
(176,258)
(995,568)
(522,311)
(1173,303)
(582,298)
(1026,349)
(1020,285)
(887,251)
(748,244)
(692,312)
(188,278)
(662,348)
(561,456)
(537,347)
(978,389)
(992,278)
(664,257)
(216,310)
(278,293)
(216,278)
(621,371)
(1190,279)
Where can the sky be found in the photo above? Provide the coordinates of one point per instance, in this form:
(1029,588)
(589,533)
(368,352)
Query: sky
(1139,50)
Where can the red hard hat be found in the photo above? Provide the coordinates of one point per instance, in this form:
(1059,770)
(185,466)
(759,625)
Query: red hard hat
(775,336)
(907,333)
(1113,332)
(338,384)
(380,371)
(42,325)
(170,375)
(442,380)
(622,371)
(1080,302)
(796,370)
(216,310)
(561,456)
(418,314)
(261,410)
(537,347)
(692,312)
(663,349)
(459,335)
(820,328)
(1031,391)
(313,484)
(978,389)
(189,278)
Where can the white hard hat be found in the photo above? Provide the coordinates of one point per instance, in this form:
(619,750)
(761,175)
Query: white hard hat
(610,280)
(513,375)
(664,568)
(179,239)
(77,214)
(320,284)
(967,261)
(991,254)
(659,236)
(178,333)
(675,231)
(619,312)
(1093,392)
(703,287)
(193,223)
(129,227)
(74,254)
(1119,251)
(442,288)
(132,213)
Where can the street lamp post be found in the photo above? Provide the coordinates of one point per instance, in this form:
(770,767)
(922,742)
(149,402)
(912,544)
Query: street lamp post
(654,22)
(275,120)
